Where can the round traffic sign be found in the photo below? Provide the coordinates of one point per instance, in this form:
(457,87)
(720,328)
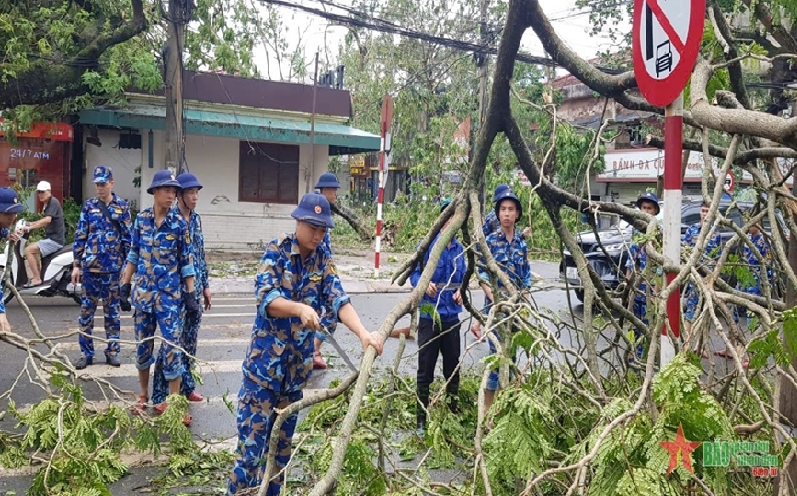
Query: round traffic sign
(730,182)
(666,40)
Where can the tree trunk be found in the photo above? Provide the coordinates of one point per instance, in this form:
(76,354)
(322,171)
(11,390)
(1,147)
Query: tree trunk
(364,233)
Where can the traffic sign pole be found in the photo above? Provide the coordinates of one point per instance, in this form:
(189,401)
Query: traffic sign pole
(387,118)
(673,196)
(666,42)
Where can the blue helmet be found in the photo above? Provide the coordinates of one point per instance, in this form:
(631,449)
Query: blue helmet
(9,203)
(327,180)
(188,181)
(163,179)
(443,204)
(499,190)
(508,195)
(648,197)
(102,174)
(314,208)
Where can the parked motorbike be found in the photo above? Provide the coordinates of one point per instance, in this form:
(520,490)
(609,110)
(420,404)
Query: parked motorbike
(56,270)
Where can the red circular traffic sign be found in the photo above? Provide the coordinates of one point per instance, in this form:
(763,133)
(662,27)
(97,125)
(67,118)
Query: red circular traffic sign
(730,182)
(666,40)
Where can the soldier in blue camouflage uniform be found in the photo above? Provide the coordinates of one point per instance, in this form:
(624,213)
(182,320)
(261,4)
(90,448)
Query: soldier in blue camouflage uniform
(296,279)
(511,253)
(187,200)
(691,295)
(9,208)
(638,261)
(752,287)
(102,240)
(491,222)
(160,258)
(328,186)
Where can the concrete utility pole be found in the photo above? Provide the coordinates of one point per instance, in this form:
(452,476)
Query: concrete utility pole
(173,80)
(481,62)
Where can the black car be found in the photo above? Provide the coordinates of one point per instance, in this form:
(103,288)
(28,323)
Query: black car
(617,242)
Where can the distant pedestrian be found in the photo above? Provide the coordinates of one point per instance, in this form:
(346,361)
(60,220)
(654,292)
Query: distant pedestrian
(637,263)
(102,241)
(328,186)
(162,268)
(511,253)
(54,232)
(438,329)
(296,281)
(187,200)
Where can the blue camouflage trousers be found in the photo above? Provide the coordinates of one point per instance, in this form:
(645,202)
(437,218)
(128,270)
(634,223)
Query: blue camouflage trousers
(256,416)
(167,318)
(99,287)
(640,312)
(493,378)
(188,342)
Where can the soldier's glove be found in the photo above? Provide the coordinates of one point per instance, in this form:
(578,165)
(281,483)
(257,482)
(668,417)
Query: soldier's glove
(124,297)
(191,304)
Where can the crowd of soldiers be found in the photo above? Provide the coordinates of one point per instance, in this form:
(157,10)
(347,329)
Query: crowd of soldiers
(692,303)
(156,266)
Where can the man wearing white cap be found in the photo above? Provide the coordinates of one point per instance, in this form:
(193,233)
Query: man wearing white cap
(54,231)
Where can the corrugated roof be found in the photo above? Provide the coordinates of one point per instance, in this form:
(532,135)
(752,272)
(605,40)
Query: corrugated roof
(342,139)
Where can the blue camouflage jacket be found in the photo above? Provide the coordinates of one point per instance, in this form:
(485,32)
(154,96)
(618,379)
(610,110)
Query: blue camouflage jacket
(98,246)
(450,271)
(162,257)
(491,223)
(638,260)
(327,241)
(197,252)
(280,353)
(3,235)
(690,238)
(754,263)
(512,257)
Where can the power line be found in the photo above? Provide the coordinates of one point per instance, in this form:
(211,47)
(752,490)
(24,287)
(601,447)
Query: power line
(386,27)
(364,20)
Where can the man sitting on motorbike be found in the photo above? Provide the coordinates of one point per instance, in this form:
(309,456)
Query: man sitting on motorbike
(9,208)
(54,230)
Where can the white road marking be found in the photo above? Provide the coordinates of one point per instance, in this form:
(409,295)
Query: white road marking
(101,369)
(202,342)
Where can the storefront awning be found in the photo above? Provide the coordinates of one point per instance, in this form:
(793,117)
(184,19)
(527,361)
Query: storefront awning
(342,139)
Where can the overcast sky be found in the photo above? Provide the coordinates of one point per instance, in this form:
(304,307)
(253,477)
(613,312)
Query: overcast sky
(571,25)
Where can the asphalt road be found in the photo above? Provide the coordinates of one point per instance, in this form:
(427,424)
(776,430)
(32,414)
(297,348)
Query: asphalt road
(224,336)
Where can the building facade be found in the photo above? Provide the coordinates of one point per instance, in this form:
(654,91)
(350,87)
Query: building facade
(247,140)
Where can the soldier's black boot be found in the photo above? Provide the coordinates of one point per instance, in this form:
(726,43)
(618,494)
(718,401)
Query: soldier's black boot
(420,409)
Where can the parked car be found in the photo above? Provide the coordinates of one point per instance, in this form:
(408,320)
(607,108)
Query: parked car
(617,242)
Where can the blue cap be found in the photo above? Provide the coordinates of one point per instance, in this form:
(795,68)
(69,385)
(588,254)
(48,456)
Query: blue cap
(499,190)
(102,174)
(508,195)
(650,197)
(163,179)
(188,180)
(314,208)
(327,180)
(445,203)
(9,203)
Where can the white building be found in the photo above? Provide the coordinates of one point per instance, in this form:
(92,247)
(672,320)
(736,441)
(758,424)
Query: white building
(631,172)
(247,140)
